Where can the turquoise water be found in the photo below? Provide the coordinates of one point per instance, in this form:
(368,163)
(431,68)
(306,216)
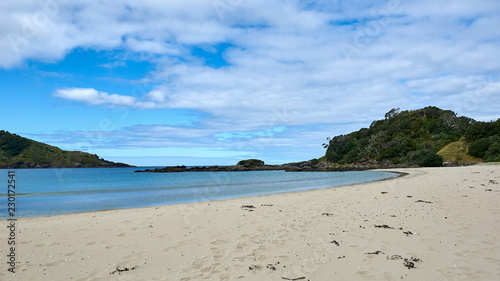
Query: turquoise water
(41,192)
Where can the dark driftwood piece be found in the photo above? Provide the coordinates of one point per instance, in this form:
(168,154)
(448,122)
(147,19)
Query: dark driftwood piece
(375,253)
(409,264)
(395,257)
(121,269)
(335,242)
(384,226)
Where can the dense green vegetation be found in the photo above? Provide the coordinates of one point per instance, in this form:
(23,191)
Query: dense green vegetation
(414,137)
(484,139)
(251,163)
(20,152)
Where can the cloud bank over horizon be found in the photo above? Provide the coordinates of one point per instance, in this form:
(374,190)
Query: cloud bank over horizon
(277,75)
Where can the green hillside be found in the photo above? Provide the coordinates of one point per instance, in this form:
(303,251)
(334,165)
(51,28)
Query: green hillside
(456,153)
(414,137)
(20,152)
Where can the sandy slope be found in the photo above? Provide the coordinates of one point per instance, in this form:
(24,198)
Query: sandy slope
(454,234)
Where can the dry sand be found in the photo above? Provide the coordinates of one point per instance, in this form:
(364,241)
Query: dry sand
(331,234)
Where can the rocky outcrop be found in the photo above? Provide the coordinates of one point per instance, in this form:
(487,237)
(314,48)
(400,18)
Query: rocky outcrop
(250,163)
(258,165)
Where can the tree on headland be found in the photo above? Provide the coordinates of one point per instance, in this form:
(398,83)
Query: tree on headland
(414,137)
(327,143)
(392,113)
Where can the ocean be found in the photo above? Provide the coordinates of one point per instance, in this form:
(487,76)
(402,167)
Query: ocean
(42,192)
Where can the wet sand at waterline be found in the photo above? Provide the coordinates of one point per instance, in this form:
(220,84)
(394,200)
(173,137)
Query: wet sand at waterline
(433,224)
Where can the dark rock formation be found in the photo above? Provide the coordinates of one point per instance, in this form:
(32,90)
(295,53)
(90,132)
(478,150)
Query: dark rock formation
(258,165)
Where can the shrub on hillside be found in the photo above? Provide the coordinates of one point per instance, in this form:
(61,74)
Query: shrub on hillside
(479,147)
(427,158)
(493,153)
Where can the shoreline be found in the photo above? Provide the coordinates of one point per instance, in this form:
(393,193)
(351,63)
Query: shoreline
(443,221)
(400,174)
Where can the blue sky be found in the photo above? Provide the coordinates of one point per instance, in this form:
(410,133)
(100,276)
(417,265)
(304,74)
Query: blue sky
(200,82)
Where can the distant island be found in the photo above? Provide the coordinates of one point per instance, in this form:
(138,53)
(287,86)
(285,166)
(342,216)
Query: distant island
(254,165)
(19,152)
(427,137)
(258,165)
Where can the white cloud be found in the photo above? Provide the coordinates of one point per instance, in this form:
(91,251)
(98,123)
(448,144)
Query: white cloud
(287,61)
(151,47)
(93,97)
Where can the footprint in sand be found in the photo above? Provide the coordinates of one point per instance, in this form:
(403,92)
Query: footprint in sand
(241,247)
(72,253)
(218,242)
(210,268)
(198,263)
(169,249)
(261,258)
(362,272)
(218,257)
(232,267)
(217,254)
(54,263)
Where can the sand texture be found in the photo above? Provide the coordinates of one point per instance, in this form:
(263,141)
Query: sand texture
(433,224)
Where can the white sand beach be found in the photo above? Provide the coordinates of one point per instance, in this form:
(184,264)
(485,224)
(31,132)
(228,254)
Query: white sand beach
(433,224)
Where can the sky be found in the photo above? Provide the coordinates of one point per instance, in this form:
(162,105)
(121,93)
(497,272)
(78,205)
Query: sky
(211,82)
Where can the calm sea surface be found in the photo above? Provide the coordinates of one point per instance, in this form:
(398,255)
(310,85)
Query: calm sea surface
(41,192)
